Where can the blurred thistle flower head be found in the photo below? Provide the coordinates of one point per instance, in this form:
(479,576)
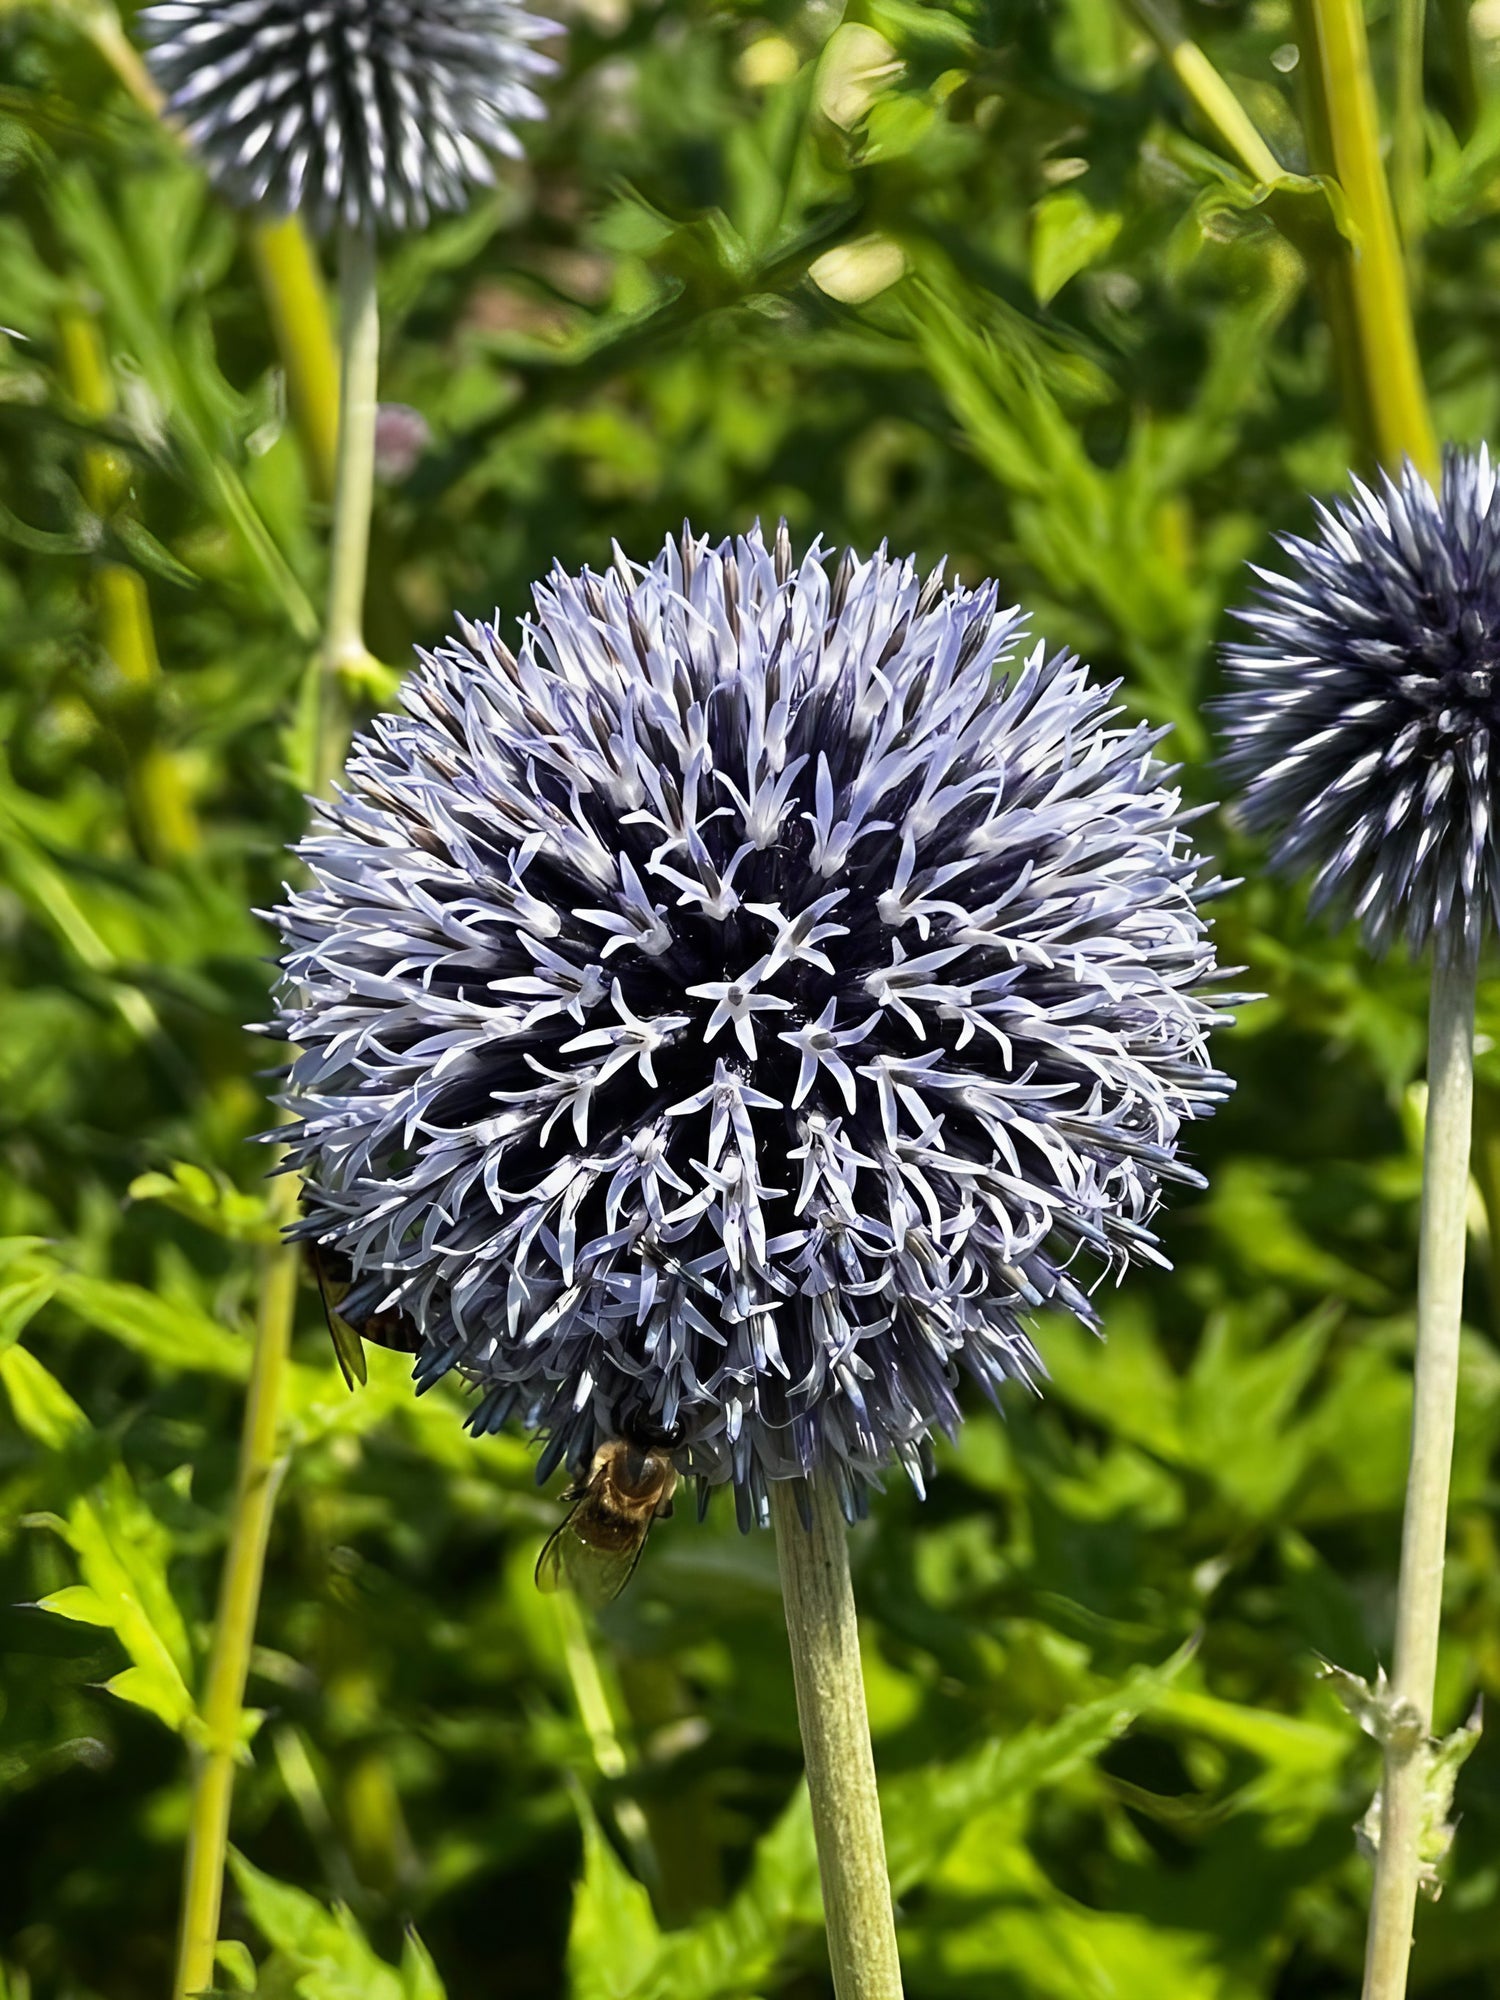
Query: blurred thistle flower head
(734,1011)
(371,113)
(1363,711)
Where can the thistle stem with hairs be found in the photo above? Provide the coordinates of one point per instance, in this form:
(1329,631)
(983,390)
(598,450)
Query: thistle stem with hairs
(260,1472)
(343,647)
(819,1599)
(1419,1599)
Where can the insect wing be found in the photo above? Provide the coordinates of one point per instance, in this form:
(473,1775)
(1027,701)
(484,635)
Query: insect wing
(568,1562)
(348,1348)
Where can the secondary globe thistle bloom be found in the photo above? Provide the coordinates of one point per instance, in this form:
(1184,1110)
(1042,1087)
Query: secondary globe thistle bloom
(734,1011)
(366,112)
(1362,714)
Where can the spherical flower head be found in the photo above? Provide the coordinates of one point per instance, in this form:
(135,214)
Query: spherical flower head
(372,113)
(729,1015)
(1362,713)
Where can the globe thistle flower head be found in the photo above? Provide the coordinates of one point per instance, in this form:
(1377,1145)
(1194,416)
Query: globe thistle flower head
(733,1012)
(1362,713)
(371,113)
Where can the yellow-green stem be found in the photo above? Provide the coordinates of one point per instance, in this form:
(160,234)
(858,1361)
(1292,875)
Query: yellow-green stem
(1408,123)
(260,1468)
(1216,102)
(1419,1599)
(820,1623)
(160,804)
(343,648)
(260,1471)
(297,305)
(1336,58)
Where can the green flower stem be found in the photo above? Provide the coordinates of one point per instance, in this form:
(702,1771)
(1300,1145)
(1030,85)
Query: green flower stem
(1408,122)
(1419,1600)
(819,1599)
(297,305)
(222,1706)
(354,485)
(1214,99)
(1344,128)
(260,1467)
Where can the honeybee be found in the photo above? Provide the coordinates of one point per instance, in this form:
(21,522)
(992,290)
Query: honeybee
(596,1547)
(350,1329)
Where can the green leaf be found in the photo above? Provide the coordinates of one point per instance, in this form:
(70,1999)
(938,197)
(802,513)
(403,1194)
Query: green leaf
(123,1552)
(323,1954)
(738,1950)
(613,1937)
(165,1331)
(234,1958)
(211,1200)
(41,1405)
(1067,235)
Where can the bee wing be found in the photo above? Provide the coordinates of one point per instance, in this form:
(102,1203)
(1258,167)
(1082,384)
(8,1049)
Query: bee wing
(348,1348)
(595,1575)
(551,1568)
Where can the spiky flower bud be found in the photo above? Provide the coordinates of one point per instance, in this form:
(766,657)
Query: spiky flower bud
(1362,714)
(373,113)
(733,1012)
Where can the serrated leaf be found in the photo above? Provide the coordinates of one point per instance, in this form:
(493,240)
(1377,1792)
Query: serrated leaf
(1067,235)
(613,1936)
(161,1693)
(166,1331)
(233,1957)
(322,1952)
(41,1405)
(122,1552)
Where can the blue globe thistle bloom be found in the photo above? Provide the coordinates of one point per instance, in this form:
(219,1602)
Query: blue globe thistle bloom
(1362,713)
(734,1011)
(372,113)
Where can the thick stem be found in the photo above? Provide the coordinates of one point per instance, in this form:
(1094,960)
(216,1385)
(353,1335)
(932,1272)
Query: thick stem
(260,1473)
(1419,1601)
(1343,119)
(819,1598)
(298,309)
(354,486)
(1215,101)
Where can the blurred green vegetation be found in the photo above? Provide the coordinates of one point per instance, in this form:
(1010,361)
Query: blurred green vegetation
(969,277)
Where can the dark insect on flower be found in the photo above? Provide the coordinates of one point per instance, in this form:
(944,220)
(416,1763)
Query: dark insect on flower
(734,1011)
(354,1314)
(1362,714)
(367,112)
(597,1545)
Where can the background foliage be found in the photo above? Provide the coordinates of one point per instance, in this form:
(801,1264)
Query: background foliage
(969,277)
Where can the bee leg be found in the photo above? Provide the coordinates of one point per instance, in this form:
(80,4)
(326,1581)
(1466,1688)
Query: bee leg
(663,1512)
